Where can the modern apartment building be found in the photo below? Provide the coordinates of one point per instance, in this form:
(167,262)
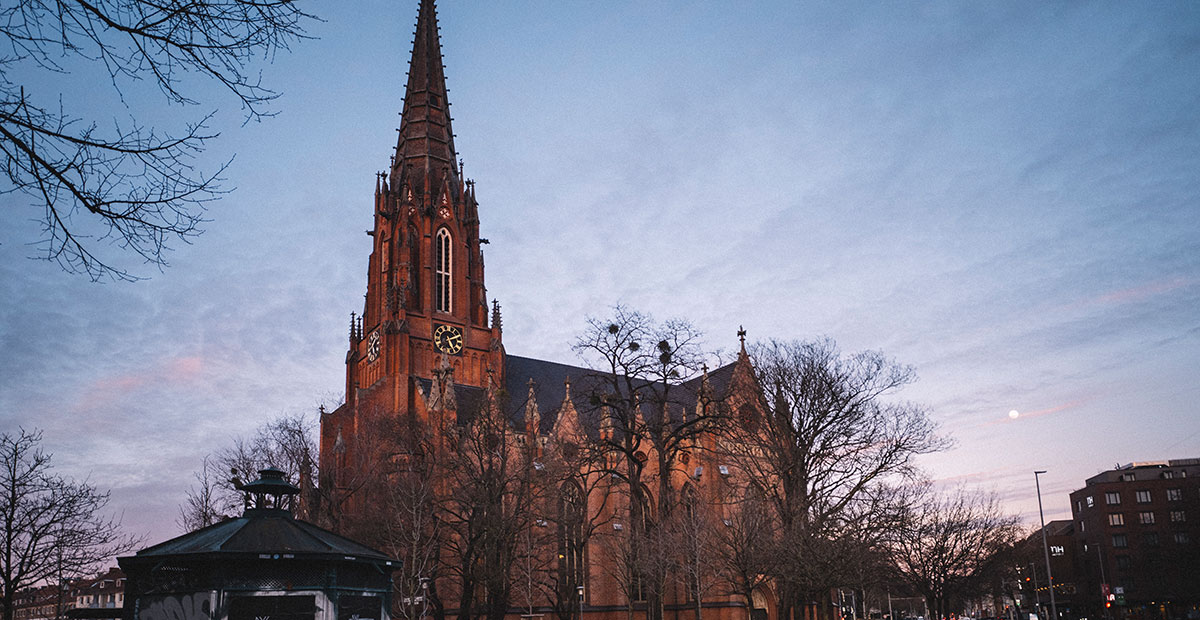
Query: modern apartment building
(1137,536)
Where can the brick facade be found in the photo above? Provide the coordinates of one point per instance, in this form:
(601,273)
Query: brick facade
(426,345)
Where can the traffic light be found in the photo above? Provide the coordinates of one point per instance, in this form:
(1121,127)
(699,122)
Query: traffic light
(1107,604)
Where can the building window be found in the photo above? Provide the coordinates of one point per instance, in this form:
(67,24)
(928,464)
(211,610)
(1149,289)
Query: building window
(571,541)
(442,271)
(1128,477)
(1177,516)
(1082,526)
(1174,495)
(1146,518)
(1168,474)
(1116,518)
(1112,498)
(1090,502)
(1143,497)
(414,268)
(1181,538)
(1150,539)
(1119,541)
(1122,562)
(644,524)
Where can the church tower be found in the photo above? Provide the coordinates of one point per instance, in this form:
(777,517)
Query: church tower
(425,318)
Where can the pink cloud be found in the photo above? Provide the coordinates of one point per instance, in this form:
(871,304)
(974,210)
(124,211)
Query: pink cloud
(183,368)
(1035,414)
(108,390)
(990,475)
(1142,292)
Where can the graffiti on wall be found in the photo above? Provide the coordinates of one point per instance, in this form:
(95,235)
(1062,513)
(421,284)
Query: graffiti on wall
(195,606)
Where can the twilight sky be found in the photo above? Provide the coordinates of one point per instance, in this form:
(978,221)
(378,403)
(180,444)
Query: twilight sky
(1004,195)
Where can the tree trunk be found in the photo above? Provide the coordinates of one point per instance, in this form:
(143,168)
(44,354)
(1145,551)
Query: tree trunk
(8,604)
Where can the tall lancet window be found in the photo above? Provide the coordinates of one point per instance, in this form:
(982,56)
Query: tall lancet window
(442,271)
(571,543)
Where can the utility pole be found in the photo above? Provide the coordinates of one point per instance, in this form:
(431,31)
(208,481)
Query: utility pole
(1045,545)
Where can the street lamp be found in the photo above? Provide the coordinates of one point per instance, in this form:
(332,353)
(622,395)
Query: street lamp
(1045,545)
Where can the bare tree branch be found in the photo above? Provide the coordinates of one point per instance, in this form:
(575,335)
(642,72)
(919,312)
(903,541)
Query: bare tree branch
(138,187)
(53,527)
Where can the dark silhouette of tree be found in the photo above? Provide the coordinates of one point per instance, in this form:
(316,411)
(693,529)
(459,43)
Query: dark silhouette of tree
(830,448)
(285,442)
(578,514)
(125,184)
(645,414)
(54,528)
(209,501)
(747,551)
(694,533)
(948,547)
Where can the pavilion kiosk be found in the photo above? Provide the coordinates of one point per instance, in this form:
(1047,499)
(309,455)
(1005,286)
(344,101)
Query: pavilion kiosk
(264,565)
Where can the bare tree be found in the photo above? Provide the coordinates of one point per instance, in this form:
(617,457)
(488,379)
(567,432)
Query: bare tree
(53,527)
(948,546)
(490,490)
(636,391)
(400,512)
(579,512)
(208,502)
(620,558)
(828,443)
(693,533)
(139,186)
(285,442)
(746,549)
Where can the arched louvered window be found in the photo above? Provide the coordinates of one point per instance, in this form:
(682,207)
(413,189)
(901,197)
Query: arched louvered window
(443,267)
(414,268)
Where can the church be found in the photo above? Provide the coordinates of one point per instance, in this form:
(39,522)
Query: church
(428,347)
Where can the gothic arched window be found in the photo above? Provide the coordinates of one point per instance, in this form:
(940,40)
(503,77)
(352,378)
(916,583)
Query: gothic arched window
(643,526)
(571,543)
(690,500)
(442,271)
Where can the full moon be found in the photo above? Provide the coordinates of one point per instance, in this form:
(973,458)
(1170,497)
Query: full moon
(1013,414)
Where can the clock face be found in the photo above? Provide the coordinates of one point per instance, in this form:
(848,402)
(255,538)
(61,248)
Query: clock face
(373,346)
(448,339)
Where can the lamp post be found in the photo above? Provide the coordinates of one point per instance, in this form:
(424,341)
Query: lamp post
(1045,545)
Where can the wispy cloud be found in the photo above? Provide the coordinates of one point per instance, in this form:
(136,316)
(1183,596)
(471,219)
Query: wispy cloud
(1024,415)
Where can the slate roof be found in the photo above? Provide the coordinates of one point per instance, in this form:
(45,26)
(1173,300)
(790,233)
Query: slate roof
(549,385)
(263,531)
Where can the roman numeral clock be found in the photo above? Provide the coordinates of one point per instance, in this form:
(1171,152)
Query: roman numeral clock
(374,344)
(448,339)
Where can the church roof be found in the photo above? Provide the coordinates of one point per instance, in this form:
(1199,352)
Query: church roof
(550,390)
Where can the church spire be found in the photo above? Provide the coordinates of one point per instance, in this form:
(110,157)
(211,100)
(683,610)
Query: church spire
(426,141)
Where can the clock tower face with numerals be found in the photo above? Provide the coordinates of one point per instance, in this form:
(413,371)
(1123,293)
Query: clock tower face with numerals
(374,344)
(426,305)
(448,339)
